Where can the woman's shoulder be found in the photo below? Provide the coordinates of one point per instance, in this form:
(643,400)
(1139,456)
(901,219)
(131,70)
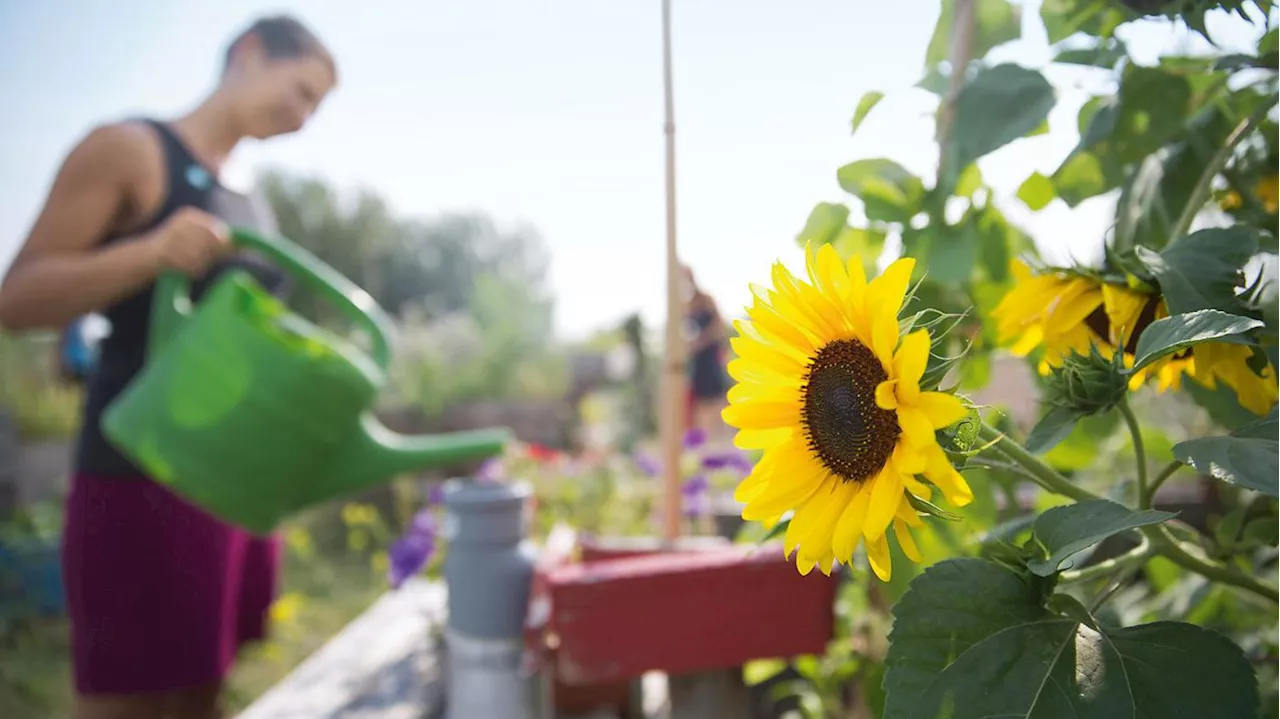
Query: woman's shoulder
(125,149)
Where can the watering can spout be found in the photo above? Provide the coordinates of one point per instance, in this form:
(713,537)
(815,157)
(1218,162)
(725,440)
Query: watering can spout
(382,453)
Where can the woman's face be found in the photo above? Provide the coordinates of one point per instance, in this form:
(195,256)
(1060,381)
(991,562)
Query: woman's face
(278,96)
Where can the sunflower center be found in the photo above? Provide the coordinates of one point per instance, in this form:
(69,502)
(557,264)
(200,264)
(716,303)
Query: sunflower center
(1101,324)
(847,432)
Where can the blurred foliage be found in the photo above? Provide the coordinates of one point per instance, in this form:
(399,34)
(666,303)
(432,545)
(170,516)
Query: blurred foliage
(474,310)
(41,405)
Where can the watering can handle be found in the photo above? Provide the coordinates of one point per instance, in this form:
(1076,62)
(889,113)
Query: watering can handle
(173,293)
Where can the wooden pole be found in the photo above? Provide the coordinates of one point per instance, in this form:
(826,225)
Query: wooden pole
(671,421)
(961,52)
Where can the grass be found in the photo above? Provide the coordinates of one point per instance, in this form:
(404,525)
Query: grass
(321,593)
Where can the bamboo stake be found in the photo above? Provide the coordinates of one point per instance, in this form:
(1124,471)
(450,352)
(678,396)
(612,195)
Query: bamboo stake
(961,47)
(671,421)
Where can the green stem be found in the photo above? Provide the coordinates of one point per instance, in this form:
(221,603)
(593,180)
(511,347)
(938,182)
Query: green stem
(1168,471)
(1200,195)
(1043,474)
(1139,450)
(1164,542)
(1134,557)
(1170,547)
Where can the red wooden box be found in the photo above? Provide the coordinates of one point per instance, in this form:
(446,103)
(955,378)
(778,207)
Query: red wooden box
(611,620)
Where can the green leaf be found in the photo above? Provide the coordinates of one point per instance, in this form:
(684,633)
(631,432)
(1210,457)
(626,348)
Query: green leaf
(1080,450)
(1262,428)
(973,640)
(1262,531)
(867,102)
(951,253)
(1155,194)
(759,671)
(863,242)
(1249,461)
(1037,192)
(1064,18)
(994,22)
(1174,334)
(825,222)
(969,182)
(1220,402)
(1153,104)
(1080,177)
(888,191)
(1000,105)
(1064,531)
(1268,43)
(1202,270)
(934,81)
(997,242)
(1054,427)
(1106,54)
(926,507)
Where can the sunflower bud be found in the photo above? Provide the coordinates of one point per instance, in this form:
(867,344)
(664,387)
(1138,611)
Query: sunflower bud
(1089,383)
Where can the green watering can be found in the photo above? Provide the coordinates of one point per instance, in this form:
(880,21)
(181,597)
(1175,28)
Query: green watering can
(251,412)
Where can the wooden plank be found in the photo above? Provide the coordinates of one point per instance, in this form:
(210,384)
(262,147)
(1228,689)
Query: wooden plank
(717,694)
(381,666)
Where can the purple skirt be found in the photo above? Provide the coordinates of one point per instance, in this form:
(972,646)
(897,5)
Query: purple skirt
(160,594)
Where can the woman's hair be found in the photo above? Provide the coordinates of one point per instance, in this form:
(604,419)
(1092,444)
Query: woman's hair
(283,37)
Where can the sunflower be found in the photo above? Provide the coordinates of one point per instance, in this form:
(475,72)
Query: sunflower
(1065,313)
(829,389)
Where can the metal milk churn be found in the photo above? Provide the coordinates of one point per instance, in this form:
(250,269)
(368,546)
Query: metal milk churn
(488,569)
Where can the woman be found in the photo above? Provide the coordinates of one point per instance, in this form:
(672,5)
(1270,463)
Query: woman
(160,594)
(707,380)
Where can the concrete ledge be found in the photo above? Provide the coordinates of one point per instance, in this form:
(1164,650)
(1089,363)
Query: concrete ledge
(383,665)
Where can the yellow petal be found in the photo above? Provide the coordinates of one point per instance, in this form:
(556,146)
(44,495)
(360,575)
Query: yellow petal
(788,487)
(886,397)
(909,459)
(906,541)
(884,301)
(886,494)
(761,438)
(916,427)
(762,415)
(1028,341)
(878,556)
(910,362)
(916,487)
(946,478)
(770,320)
(942,409)
(849,528)
(815,540)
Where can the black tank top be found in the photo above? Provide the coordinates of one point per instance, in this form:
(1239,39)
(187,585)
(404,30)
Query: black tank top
(122,353)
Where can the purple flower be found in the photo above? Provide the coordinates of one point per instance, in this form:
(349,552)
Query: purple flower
(697,484)
(648,465)
(411,552)
(696,501)
(436,495)
(694,437)
(491,471)
(728,459)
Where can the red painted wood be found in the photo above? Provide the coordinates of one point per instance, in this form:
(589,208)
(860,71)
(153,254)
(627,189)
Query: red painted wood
(681,612)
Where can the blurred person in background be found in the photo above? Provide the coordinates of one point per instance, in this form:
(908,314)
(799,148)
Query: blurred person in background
(161,595)
(708,381)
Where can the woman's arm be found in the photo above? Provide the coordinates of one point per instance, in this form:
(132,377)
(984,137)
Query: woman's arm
(714,332)
(58,274)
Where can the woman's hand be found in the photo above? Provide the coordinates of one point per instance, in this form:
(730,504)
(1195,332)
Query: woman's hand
(190,242)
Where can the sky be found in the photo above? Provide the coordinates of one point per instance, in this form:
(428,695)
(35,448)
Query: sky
(550,114)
